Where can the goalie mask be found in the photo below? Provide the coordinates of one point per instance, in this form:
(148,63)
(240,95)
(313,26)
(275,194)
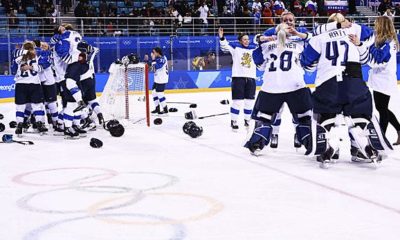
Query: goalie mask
(130,59)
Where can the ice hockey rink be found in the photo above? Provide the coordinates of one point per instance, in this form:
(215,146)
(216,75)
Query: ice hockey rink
(157,183)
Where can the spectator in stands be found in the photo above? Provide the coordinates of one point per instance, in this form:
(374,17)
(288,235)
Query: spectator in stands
(397,13)
(267,14)
(278,7)
(204,63)
(65,5)
(297,8)
(203,9)
(187,19)
(385,4)
(13,19)
(311,7)
(390,14)
(80,11)
(225,22)
(256,6)
(103,8)
(257,17)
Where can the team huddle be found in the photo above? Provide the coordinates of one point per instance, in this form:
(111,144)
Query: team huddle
(45,70)
(336,51)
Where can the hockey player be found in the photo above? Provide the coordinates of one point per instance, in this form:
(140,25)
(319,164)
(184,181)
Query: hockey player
(295,33)
(68,52)
(28,89)
(283,82)
(160,64)
(382,77)
(243,84)
(340,89)
(88,84)
(48,81)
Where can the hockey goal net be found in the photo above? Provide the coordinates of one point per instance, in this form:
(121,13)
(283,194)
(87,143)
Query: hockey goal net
(126,93)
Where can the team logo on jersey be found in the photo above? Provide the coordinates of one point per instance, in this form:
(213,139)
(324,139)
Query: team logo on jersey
(246,60)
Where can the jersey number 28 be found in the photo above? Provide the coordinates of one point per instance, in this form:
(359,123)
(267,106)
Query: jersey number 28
(285,61)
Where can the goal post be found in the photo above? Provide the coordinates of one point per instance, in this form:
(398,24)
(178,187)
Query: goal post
(126,93)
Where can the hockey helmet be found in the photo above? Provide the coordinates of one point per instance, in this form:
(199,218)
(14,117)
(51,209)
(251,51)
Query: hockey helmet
(195,131)
(111,123)
(117,130)
(83,46)
(133,58)
(7,138)
(130,59)
(96,143)
(157,121)
(187,126)
(13,124)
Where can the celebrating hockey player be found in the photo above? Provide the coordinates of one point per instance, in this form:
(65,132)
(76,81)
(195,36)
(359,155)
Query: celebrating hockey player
(160,64)
(295,33)
(283,82)
(341,89)
(48,81)
(28,89)
(88,83)
(243,84)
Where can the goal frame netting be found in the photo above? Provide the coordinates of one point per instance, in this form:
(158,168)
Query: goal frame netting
(112,90)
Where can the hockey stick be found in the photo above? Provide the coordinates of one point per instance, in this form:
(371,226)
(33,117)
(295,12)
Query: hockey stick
(8,138)
(213,115)
(191,105)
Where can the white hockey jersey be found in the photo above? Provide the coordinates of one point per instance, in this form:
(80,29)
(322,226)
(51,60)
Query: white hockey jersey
(329,52)
(383,62)
(160,65)
(243,64)
(283,72)
(67,46)
(29,76)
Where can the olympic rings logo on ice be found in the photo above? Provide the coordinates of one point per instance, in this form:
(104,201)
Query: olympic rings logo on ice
(95,200)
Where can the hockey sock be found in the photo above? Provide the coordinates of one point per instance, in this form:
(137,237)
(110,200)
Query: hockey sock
(38,111)
(94,105)
(69,114)
(53,111)
(161,99)
(20,109)
(235,108)
(155,98)
(248,108)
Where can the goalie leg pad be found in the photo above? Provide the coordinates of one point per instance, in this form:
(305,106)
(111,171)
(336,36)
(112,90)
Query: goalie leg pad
(305,137)
(376,137)
(260,137)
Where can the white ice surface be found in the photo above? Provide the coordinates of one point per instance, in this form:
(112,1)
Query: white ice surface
(158,183)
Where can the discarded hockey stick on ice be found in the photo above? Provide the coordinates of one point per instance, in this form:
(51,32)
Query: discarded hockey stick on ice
(8,138)
(192,115)
(213,115)
(191,105)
